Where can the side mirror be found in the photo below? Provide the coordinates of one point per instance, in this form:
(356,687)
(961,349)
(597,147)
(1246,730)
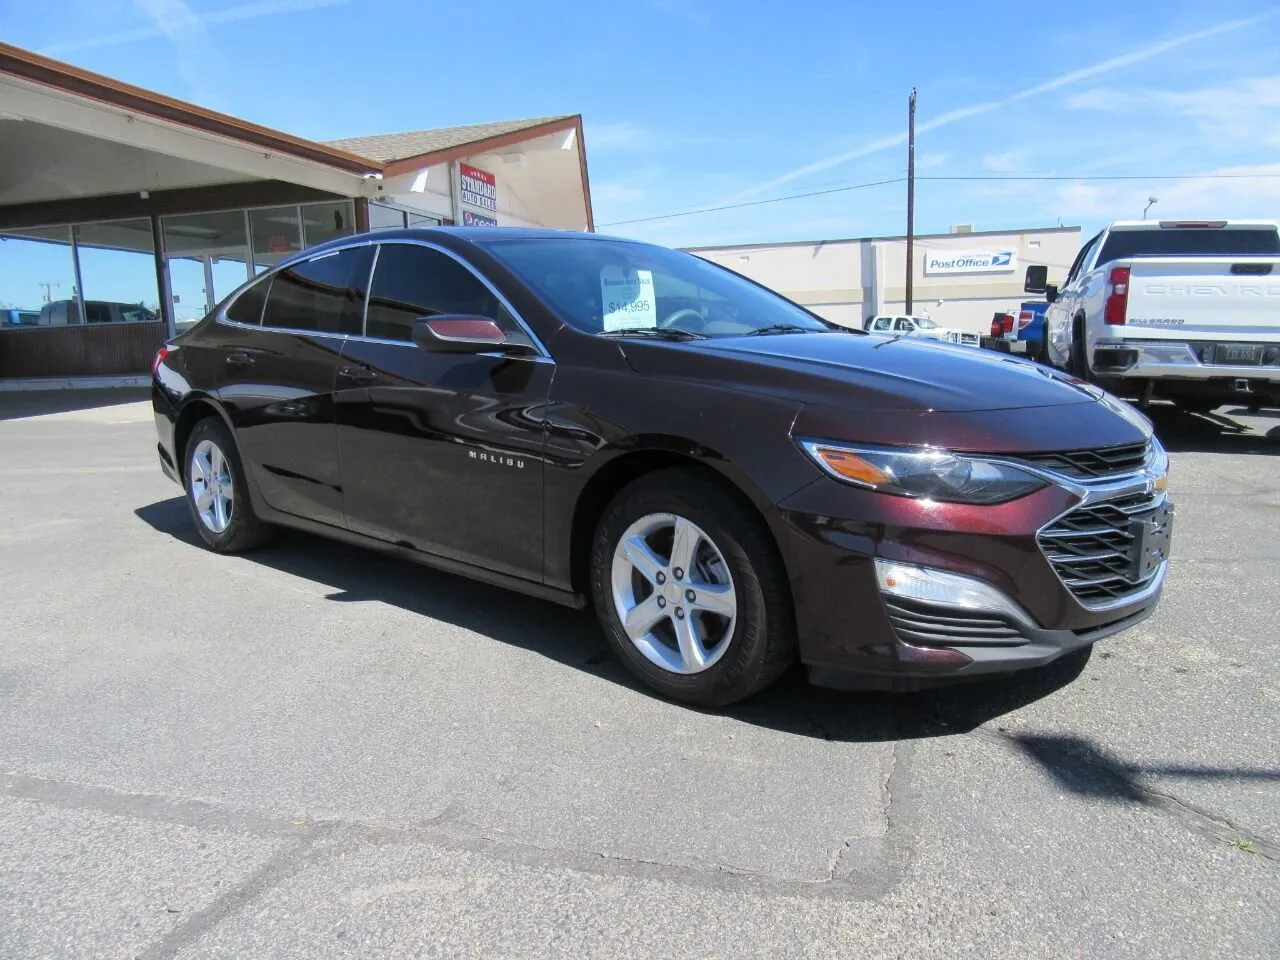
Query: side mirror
(462,333)
(1050,292)
(1037,279)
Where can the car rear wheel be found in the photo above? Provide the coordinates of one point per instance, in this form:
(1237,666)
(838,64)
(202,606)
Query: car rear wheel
(690,591)
(216,491)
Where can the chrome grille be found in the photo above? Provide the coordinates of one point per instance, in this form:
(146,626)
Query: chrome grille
(923,623)
(1092,464)
(1092,547)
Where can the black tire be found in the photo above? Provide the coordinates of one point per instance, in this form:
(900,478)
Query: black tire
(1078,363)
(762,644)
(243,531)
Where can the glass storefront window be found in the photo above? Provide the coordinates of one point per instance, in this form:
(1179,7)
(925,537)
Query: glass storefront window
(118,271)
(37,278)
(207,256)
(276,235)
(327,221)
(385,218)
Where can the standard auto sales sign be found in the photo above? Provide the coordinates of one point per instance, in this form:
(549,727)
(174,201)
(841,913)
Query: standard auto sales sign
(479,188)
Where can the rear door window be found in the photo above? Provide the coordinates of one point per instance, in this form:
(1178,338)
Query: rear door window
(882,323)
(247,308)
(324,295)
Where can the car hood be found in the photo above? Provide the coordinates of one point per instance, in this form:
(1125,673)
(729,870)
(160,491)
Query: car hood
(866,372)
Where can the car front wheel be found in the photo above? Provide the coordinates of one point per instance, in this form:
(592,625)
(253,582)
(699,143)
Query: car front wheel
(690,591)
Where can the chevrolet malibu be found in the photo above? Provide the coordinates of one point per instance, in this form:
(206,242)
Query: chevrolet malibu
(730,481)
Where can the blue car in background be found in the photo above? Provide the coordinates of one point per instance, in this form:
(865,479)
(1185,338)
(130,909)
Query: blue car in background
(1020,333)
(1030,327)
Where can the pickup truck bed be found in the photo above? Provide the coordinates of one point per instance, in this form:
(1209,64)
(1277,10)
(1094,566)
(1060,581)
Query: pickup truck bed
(1201,330)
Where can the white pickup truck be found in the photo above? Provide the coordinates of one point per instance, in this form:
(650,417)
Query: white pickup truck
(1185,310)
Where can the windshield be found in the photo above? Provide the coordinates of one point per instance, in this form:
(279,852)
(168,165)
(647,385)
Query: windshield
(1191,242)
(613,287)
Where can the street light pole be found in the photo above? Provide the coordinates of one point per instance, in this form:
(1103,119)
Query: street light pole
(911,191)
(1150,201)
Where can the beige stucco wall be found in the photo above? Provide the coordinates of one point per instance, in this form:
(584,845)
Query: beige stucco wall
(848,280)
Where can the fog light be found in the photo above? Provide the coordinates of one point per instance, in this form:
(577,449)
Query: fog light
(948,589)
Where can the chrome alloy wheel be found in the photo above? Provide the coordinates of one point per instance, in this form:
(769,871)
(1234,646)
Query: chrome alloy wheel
(674,594)
(212,487)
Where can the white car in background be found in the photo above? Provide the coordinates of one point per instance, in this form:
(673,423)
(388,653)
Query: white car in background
(909,326)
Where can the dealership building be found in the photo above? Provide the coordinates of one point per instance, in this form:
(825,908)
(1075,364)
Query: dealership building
(959,279)
(126,215)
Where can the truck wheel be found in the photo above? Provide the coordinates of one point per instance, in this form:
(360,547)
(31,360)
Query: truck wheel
(1078,362)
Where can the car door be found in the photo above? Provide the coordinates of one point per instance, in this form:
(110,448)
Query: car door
(277,375)
(442,451)
(1060,314)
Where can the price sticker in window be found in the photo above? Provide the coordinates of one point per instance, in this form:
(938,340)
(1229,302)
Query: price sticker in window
(627,298)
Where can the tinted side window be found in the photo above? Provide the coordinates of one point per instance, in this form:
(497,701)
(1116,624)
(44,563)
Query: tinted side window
(411,281)
(882,323)
(903,324)
(325,295)
(247,308)
(1085,252)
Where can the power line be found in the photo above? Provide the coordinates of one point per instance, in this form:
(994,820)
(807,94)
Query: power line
(755,203)
(1004,178)
(1037,177)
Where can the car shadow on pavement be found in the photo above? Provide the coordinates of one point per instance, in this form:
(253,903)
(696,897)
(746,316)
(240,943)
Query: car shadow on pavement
(1225,430)
(356,575)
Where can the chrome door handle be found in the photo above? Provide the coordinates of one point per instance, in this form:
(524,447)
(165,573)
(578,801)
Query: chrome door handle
(240,359)
(357,373)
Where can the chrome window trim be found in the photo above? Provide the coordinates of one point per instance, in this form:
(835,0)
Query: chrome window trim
(543,352)
(365,240)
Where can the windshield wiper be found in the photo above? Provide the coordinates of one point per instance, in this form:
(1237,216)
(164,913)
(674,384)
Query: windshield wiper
(780,328)
(654,333)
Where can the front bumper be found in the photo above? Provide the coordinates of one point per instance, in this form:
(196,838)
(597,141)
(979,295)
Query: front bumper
(1167,359)
(856,634)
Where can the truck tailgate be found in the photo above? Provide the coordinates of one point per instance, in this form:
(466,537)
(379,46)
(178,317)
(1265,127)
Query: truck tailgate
(1235,298)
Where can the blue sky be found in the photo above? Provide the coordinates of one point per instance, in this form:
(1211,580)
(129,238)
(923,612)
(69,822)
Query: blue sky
(693,104)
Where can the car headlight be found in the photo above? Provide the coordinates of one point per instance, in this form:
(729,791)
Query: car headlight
(924,473)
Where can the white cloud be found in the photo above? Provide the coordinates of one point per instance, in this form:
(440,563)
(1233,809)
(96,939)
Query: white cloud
(1055,83)
(932,161)
(1011,161)
(166,17)
(1235,192)
(1247,109)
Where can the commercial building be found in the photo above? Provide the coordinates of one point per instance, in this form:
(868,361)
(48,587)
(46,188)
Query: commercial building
(959,279)
(126,215)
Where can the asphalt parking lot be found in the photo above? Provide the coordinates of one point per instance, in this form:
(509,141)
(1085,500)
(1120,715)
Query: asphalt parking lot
(312,751)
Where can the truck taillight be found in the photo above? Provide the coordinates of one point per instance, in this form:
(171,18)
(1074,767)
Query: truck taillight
(1008,323)
(996,326)
(1118,296)
(1024,318)
(160,355)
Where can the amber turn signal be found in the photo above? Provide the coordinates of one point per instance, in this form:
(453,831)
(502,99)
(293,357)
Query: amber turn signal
(850,466)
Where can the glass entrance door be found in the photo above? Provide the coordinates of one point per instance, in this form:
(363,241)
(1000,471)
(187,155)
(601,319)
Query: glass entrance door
(206,257)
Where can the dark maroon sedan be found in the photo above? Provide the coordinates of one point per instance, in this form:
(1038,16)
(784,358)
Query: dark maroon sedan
(731,481)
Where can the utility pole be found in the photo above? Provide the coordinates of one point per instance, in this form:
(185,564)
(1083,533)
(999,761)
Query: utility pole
(48,290)
(911,192)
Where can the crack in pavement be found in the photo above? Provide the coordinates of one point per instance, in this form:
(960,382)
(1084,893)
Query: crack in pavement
(314,841)
(1122,782)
